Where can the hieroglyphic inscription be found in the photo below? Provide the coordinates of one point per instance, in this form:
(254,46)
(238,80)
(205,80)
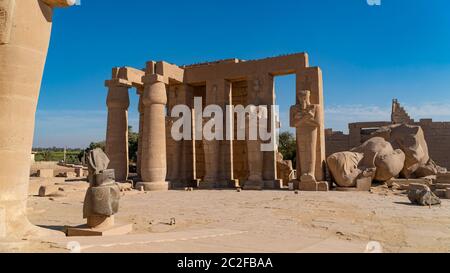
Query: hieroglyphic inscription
(6,13)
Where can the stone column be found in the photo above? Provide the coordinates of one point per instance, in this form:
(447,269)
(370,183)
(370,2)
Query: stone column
(154,163)
(117,130)
(24,37)
(141,133)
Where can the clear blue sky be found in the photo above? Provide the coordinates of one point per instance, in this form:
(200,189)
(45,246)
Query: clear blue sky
(368,54)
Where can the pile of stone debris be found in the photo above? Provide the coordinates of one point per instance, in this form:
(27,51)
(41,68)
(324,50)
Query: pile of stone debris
(425,191)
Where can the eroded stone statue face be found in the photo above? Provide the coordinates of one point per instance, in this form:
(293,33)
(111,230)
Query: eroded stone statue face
(344,167)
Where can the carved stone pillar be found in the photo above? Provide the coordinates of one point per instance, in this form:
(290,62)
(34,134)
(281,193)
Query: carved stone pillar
(25,28)
(154,163)
(141,133)
(117,129)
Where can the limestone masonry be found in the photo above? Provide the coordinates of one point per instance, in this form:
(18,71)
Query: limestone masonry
(437,134)
(206,164)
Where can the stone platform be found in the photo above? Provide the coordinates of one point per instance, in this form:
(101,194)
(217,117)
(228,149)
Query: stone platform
(84,230)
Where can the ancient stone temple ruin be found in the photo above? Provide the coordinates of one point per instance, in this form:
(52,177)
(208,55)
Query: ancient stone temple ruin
(207,164)
(437,134)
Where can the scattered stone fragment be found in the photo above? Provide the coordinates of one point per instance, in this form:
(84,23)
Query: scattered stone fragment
(50,190)
(422,195)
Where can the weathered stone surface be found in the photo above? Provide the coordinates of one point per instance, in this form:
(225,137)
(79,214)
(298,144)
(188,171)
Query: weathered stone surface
(364,184)
(103,200)
(25,28)
(216,163)
(102,197)
(45,173)
(6,20)
(97,161)
(285,170)
(154,158)
(437,136)
(421,195)
(411,140)
(345,168)
(379,153)
(306,118)
(84,231)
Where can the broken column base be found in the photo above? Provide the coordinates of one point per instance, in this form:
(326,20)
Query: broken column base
(99,226)
(313,186)
(153,186)
(261,185)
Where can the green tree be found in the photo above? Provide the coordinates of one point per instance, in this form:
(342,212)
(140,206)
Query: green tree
(133,140)
(288,146)
(95,145)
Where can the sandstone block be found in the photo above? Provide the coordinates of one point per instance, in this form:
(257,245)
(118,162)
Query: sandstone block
(109,231)
(364,184)
(308,186)
(323,186)
(79,172)
(45,173)
(70,175)
(447,194)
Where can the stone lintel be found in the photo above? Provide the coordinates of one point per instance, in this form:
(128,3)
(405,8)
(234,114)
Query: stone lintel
(154,78)
(118,83)
(170,71)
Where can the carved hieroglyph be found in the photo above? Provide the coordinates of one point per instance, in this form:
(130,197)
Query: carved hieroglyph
(6,14)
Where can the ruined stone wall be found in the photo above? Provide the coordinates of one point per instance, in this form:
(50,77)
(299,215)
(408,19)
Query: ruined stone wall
(336,142)
(437,135)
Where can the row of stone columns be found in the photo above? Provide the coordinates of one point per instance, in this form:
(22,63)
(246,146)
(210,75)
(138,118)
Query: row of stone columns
(218,154)
(151,167)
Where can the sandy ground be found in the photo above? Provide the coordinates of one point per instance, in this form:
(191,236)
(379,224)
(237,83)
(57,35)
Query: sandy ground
(250,221)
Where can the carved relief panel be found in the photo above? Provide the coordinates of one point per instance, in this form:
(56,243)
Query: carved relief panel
(6,16)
